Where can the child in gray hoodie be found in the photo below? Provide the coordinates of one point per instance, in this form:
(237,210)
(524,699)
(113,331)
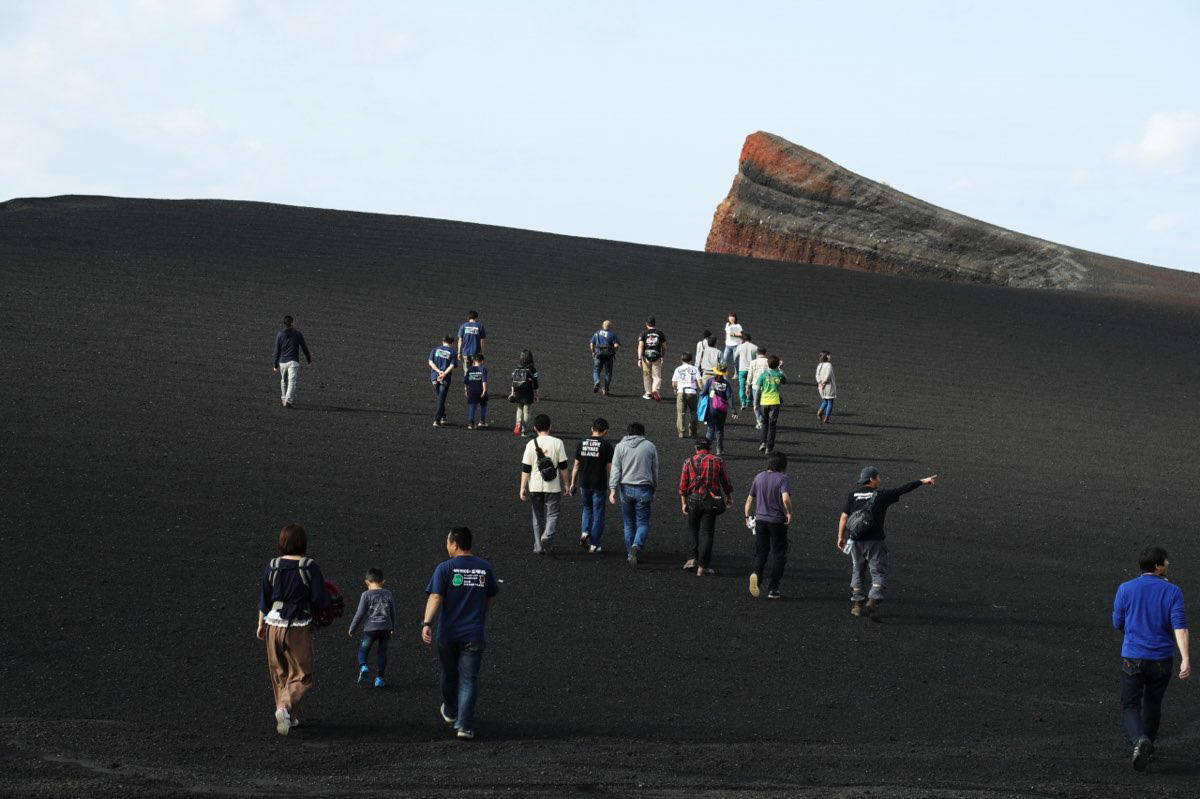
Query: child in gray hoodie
(375,606)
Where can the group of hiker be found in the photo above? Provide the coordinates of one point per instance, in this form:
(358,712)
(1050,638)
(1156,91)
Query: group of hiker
(295,597)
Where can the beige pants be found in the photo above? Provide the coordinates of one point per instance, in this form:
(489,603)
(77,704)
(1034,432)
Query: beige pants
(685,413)
(289,375)
(652,375)
(290,662)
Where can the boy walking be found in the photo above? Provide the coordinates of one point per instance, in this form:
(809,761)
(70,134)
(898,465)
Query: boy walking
(378,618)
(686,382)
(476,389)
(460,593)
(768,402)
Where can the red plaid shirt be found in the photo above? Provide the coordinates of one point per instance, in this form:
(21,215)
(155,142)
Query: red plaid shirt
(704,474)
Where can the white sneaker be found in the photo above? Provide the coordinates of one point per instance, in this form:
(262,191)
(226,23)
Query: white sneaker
(446,717)
(647,396)
(593,549)
(465,735)
(283,721)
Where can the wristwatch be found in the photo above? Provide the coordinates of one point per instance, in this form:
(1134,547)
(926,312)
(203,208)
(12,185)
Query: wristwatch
(425,624)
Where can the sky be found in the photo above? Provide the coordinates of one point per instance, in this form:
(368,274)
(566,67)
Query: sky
(1077,122)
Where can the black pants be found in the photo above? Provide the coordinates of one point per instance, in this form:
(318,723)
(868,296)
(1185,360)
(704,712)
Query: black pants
(770,538)
(701,524)
(1143,683)
(770,421)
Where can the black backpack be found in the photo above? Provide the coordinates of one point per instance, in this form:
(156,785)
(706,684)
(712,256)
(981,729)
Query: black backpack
(546,467)
(862,520)
(522,376)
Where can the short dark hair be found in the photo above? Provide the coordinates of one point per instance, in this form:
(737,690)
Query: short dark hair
(477,357)
(374,575)
(825,355)
(702,443)
(599,424)
(472,314)
(773,362)
(287,321)
(762,350)
(706,334)
(448,340)
(293,540)
(636,429)
(541,423)
(745,336)
(649,321)
(686,357)
(461,536)
(777,462)
(712,341)
(1151,558)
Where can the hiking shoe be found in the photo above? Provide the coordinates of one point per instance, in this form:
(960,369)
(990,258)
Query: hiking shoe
(470,425)
(362,675)
(379,682)
(584,540)
(774,594)
(657,397)
(482,424)
(545,542)
(1141,753)
(633,555)
(856,608)
(517,429)
(754,585)
(283,721)
(446,717)
(595,387)
(703,572)
(691,564)
(646,396)
(593,549)
(604,392)
(871,606)
(436,423)
(465,735)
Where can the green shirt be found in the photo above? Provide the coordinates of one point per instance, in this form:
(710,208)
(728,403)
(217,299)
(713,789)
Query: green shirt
(768,387)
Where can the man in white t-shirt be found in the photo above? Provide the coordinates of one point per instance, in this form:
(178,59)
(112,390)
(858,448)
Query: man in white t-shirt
(686,382)
(544,496)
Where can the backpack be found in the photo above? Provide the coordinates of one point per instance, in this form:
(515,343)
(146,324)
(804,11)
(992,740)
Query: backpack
(862,520)
(651,346)
(323,616)
(546,467)
(604,350)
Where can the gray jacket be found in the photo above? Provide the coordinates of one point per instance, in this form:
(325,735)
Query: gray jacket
(635,462)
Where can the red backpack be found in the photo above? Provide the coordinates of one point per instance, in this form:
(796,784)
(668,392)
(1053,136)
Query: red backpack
(337,602)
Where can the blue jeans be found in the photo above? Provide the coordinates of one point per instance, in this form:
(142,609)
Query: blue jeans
(1143,683)
(635,510)
(480,405)
(729,358)
(380,638)
(602,364)
(460,679)
(716,430)
(440,390)
(593,513)
(827,408)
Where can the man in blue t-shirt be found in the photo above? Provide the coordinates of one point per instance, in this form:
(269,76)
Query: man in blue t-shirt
(603,346)
(1149,611)
(460,593)
(470,339)
(442,359)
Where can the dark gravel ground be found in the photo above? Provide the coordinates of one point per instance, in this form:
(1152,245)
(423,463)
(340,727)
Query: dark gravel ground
(147,467)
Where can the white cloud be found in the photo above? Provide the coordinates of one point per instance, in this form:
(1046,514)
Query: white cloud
(1166,140)
(1164,222)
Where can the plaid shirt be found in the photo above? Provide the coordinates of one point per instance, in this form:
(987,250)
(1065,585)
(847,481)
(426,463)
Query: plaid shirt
(704,473)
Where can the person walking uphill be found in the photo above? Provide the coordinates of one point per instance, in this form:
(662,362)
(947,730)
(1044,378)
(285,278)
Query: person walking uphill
(771,498)
(1150,612)
(705,492)
(603,346)
(441,363)
(717,395)
(289,343)
(593,462)
(292,588)
(686,383)
(651,351)
(861,524)
(634,479)
(544,482)
(524,391)
(460,594)
(378,618)
(826,386)
(768,402)
(471,336)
